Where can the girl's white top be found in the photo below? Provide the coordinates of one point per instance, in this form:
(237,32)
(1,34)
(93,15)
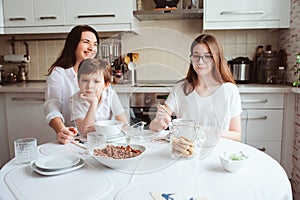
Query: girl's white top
(215,110)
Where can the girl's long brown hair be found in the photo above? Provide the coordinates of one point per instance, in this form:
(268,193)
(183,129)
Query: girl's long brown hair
(221,70)
(67,57)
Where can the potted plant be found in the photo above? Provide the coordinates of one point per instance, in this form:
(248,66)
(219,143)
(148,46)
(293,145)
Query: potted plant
(297,70)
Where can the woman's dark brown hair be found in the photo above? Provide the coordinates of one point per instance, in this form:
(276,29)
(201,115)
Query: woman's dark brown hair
(221,71)
(67,57)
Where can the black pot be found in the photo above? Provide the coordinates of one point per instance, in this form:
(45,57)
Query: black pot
(165,3)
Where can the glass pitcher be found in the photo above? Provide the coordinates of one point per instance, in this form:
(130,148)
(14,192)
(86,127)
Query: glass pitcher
(184,138)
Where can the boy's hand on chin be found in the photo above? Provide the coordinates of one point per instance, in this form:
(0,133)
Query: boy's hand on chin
(91,98)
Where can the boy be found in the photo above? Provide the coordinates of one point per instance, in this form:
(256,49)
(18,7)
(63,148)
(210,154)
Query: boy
(95,100)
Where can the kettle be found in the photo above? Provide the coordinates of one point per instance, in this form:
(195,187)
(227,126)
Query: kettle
(22,73)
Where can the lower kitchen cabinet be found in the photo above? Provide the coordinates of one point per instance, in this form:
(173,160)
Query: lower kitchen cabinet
(25,118)
(4,154)
(262,122)
(124,99)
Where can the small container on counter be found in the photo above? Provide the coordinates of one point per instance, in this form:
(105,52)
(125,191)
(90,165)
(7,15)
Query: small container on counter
(281,75)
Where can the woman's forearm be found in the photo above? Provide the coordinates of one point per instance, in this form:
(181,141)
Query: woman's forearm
(57,124)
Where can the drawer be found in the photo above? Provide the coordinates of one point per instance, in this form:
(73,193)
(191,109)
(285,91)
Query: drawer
(273,149)
(262,101)
(262,124)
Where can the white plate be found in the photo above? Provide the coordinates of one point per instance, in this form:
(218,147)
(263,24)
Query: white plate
(57,162)
(56,172)
(145,134)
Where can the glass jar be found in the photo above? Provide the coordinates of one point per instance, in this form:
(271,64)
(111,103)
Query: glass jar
(281,75)
(267,67)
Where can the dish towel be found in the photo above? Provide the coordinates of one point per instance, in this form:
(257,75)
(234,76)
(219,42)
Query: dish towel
(173,196)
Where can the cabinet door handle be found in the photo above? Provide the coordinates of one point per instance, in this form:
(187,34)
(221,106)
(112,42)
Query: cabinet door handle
(254,101)
(96,16)
(27,99)
(250,12)
(17,19)
(263,149)
(47,17)
(255,117)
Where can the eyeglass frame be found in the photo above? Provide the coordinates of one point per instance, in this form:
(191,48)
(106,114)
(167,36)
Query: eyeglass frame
(201,57)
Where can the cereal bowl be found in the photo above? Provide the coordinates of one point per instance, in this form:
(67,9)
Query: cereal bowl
(109,128)
(233,161)
(118,155)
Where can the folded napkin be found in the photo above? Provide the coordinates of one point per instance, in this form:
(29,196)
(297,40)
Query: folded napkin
(173,196)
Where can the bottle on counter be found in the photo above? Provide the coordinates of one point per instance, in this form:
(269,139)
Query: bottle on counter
(258,53)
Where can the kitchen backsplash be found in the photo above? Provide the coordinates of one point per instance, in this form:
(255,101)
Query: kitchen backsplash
(163,47)
(289,39)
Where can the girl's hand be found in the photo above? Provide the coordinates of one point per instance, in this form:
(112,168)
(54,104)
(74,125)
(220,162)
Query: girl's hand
(66,134)
(162,116)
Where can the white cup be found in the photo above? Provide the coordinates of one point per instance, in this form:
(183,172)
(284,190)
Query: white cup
(94,139)
(25,150)
(109,128)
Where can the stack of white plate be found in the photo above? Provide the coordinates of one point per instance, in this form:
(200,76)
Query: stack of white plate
(56,164)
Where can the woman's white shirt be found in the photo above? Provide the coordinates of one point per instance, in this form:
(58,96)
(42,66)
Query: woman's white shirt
(61,84)
(109,107)
(215,110)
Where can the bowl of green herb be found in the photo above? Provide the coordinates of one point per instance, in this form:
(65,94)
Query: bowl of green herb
(233,161)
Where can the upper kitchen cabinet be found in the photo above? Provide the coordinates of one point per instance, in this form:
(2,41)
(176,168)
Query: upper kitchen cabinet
(246,14)
(1,18)
(60,16)
(25,16)
(18,13)
(103,15)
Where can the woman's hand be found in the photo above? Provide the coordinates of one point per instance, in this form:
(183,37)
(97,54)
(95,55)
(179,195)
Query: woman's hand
(66,134)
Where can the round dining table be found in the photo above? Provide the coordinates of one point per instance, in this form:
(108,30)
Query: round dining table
(156,176)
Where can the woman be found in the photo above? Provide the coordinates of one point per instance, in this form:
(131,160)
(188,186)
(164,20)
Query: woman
(207,95)
(81,43)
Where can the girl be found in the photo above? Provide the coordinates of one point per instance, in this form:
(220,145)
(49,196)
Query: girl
(207,95)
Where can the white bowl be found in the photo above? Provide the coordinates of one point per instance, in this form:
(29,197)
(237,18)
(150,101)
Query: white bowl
(233,161)
(119,163)
(109,128)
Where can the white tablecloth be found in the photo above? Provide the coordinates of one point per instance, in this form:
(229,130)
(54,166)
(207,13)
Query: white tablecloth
(262,179)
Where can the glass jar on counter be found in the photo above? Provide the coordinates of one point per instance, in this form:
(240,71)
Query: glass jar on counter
(267,67)
(281,75)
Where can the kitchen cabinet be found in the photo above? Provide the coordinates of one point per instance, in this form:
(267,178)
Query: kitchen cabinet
(25,118)
(262,122)
(4,154)
(113,15)
(246,14)
(43,16)
(26,13)
(124,99)
(1,18)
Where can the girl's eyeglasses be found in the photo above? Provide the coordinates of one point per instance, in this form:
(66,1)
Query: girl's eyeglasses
(205,58)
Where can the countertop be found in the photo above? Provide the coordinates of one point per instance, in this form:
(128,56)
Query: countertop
(39,86)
